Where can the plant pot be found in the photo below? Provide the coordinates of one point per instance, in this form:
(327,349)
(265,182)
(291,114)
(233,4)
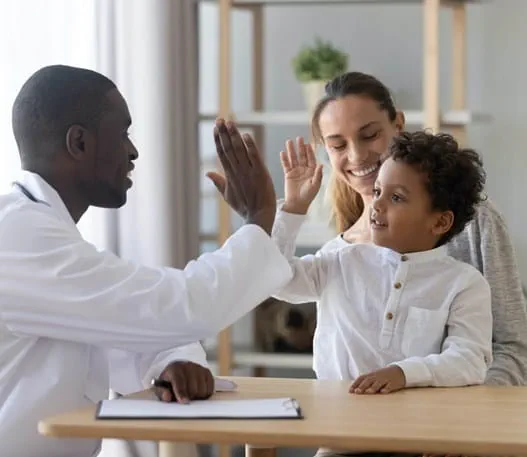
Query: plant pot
(313,92)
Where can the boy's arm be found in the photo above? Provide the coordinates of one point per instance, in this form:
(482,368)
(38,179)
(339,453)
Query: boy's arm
(310,272)
(302,180)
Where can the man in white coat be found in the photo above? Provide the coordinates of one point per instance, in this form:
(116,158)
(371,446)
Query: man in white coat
(65,306)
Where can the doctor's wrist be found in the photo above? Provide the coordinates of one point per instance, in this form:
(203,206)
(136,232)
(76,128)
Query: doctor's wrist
(263,218)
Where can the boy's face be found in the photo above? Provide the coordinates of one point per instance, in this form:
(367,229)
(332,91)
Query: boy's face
(401,216)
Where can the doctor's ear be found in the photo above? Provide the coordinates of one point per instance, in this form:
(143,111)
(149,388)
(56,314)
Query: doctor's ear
(78,141)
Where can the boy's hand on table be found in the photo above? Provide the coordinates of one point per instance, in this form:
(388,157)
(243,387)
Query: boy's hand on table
(384,381)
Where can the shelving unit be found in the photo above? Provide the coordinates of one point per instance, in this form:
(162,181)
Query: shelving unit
(454,120)
(248,357)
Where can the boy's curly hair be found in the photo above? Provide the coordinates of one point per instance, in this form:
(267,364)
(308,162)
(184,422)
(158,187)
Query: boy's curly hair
(455,176)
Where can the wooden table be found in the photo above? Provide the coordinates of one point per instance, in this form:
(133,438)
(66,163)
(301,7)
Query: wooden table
(473,420)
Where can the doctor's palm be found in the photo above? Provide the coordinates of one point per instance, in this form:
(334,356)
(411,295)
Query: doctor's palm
(247,185)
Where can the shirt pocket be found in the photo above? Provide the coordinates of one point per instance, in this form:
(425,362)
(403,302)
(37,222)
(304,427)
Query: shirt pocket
(424,331)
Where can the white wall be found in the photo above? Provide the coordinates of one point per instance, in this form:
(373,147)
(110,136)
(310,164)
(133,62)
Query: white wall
(504,92)
(386,41)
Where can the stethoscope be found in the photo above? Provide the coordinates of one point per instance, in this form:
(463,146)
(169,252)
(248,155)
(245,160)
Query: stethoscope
(28,194)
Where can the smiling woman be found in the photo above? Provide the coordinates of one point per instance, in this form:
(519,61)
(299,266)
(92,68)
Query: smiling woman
(355,121)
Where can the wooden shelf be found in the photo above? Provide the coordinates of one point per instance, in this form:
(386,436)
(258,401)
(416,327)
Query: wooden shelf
(413,117)
(248,357)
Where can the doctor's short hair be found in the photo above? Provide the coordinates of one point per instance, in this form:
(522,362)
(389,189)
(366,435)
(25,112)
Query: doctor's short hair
(53,99)
(455,178)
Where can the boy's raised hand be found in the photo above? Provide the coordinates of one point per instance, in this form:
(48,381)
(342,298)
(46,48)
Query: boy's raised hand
(302,174)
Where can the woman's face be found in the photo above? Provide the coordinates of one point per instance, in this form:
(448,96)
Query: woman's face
(357,135)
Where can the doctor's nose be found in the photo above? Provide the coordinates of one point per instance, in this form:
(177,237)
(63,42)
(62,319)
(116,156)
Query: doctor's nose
(133,153)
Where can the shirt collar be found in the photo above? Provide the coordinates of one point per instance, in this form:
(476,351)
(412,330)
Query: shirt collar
(418,257)
(414,257)
(42,191)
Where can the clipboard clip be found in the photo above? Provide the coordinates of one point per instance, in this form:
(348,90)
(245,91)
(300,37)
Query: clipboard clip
(291,404)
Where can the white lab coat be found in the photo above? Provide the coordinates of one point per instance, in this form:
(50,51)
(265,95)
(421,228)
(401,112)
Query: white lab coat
(65,307)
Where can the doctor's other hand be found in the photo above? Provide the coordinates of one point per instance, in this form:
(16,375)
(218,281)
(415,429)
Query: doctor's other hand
(189,381)
(384,381)
(247,186)
(302,175)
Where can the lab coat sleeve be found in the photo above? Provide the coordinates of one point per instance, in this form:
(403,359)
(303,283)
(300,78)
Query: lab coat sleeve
(466,352)
(131,372)
(56,285)
(310,272)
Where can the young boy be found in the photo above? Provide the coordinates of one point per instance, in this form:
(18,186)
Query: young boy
(398,312)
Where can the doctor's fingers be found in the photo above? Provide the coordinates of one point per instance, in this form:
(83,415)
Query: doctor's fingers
(233,146)
(207,385)
(179,384)
(164,394)
(231,186)
(244,161)
(200,383)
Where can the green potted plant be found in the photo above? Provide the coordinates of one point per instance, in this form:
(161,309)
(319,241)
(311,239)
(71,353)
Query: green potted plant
(315,65)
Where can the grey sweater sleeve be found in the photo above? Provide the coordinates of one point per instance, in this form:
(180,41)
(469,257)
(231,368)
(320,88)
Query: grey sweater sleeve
(485,244)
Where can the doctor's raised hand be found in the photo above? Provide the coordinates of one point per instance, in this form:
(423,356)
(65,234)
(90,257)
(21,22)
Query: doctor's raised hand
(302,175)
(246,186)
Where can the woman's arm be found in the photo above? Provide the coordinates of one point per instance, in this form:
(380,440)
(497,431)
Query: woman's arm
(486,245)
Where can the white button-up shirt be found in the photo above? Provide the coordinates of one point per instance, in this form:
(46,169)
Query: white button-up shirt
(71,316)
(426,312)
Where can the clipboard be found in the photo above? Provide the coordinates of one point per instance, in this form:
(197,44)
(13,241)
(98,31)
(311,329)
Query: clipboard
(245,409)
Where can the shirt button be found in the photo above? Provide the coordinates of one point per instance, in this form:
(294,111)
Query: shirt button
(389,316)
(397,285)
(404,258)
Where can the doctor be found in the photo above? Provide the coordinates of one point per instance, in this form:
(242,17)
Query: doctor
(69,314)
